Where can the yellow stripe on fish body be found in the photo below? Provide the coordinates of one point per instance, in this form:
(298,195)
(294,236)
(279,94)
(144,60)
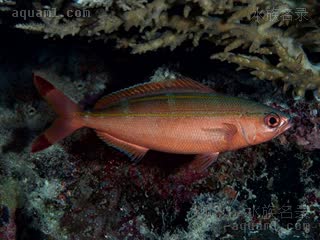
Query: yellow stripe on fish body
(178,105)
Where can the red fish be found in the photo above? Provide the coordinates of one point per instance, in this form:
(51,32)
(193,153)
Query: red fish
(174,116)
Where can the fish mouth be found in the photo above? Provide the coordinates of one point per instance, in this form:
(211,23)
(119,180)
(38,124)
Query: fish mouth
(287,124)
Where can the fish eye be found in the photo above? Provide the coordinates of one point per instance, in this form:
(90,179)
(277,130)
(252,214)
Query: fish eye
(272,120)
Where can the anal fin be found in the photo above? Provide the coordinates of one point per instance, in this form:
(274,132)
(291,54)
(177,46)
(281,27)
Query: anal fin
(135,152)
(202,161)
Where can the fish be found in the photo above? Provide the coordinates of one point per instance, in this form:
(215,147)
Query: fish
(179,116)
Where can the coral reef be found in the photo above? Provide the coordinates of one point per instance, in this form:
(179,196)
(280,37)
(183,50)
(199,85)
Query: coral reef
(273,34)
(81,189)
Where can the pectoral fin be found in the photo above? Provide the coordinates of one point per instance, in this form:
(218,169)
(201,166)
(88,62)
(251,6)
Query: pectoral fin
(202,161)
(221,135)
(133,151)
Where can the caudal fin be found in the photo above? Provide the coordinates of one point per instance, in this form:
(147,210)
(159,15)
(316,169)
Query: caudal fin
(67,121)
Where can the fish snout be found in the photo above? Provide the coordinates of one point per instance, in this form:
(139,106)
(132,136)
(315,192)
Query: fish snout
(287,123)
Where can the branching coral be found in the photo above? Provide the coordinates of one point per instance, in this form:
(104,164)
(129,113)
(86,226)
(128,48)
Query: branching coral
(262,28)
(6,5)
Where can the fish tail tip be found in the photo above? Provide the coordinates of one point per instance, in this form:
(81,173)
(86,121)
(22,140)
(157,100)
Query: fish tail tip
(40,143)
(43,86)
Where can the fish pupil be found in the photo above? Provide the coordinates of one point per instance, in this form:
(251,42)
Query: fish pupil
(272,120)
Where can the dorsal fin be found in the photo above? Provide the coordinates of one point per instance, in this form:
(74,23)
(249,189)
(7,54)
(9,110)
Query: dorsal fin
(174,85)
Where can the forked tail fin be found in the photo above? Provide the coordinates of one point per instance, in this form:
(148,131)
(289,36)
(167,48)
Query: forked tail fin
(67,121)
